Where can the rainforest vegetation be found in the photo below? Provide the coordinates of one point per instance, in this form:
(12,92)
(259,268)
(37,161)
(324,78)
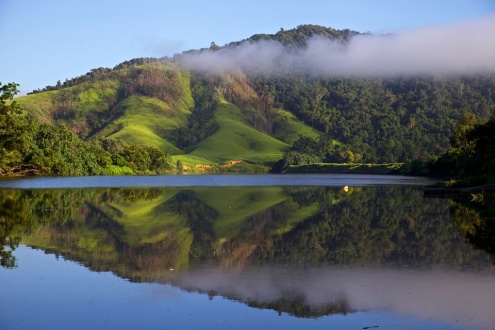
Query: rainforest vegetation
(152,115)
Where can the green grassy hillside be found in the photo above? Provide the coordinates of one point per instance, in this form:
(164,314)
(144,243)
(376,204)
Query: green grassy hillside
(297,127)
(146,121)
(235,140)
(39,105)
(82,107)
(116,106)
(146,104)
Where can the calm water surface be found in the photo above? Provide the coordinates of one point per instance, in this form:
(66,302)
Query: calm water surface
(242,252)
(331,180)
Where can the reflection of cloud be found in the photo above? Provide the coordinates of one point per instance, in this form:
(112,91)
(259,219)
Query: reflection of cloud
(456,49)
(467,298)
(159,292)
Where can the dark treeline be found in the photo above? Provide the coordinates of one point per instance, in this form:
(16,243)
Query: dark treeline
(96,74)
(471,156)
(89,76)
(200,124)
(157,82)
(301,34)
(296,305)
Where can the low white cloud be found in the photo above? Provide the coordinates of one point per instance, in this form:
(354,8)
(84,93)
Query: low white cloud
(463,48)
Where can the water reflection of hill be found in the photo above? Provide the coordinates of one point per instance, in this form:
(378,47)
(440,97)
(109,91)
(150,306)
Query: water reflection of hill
(152,235)
(372,226)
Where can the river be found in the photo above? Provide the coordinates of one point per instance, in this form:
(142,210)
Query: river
(242,252)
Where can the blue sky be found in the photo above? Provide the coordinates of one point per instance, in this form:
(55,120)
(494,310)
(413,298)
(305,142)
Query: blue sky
(46,41)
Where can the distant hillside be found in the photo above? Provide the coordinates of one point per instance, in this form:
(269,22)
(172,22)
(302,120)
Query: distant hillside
(207,121)
(140,104)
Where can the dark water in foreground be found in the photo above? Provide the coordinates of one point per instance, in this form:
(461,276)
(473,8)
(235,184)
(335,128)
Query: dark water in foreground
(275,252)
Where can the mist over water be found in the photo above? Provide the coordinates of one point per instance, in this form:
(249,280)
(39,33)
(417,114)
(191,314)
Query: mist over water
(458,49)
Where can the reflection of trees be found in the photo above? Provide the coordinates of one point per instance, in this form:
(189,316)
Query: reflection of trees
(259,232)
(483,238)
(99,233)
(476,222)
(297,306)
(22,212)
(254,236)
(170,228)
(200,218)
(11,226)
(380,226)
(54,215)
(293,304)
(104,238)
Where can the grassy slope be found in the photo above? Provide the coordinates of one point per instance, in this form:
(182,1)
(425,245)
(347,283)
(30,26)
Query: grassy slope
(151,121)
(298,127)
(145,121)
(95,96)
(235,140)
(39,105)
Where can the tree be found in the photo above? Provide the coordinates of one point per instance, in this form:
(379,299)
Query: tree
(14,129)
(214,46)
(146,158)
(472,152)
(179,166)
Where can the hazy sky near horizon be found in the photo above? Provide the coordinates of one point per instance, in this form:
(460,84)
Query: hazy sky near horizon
(46,41)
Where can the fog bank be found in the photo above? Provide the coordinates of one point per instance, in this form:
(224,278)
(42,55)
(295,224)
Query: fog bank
(463,48)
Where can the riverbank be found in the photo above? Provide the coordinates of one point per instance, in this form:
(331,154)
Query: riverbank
(337,168)
(450,191)
(481,195)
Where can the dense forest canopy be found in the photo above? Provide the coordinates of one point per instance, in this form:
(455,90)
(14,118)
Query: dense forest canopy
(171,105)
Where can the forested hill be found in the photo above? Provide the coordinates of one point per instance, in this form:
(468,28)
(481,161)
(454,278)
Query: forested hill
(224,121)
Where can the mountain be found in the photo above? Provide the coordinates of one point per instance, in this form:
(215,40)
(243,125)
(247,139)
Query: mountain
(242,120)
